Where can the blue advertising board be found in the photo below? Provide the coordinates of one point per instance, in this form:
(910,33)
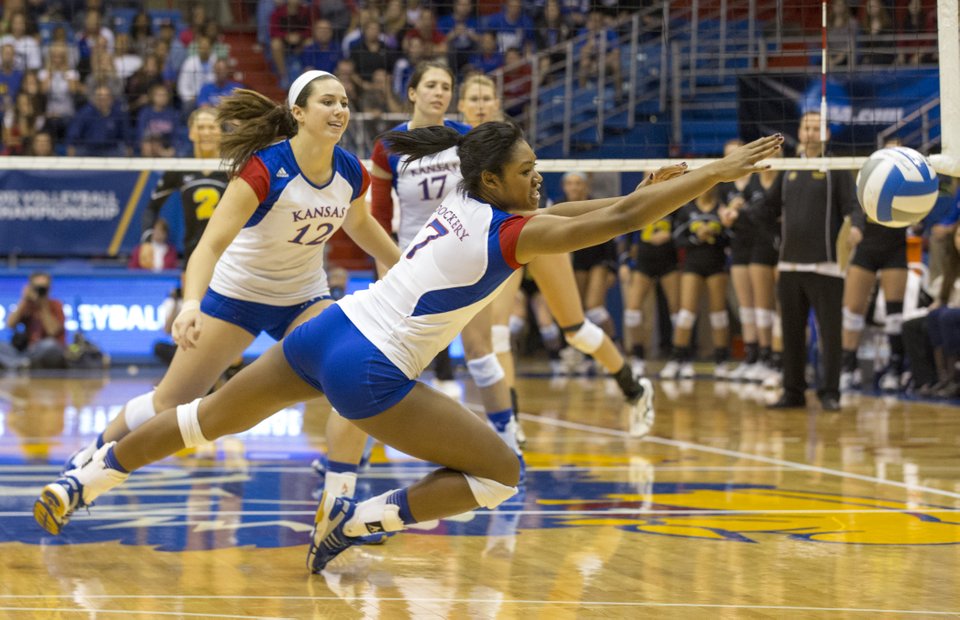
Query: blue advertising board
(118,310)
(860,104)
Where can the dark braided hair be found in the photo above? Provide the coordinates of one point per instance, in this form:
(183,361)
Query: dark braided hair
(487,147)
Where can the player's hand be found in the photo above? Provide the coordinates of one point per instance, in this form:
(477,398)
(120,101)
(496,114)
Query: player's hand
(854,237)
(744,160)
(187,325)
(728,215)
(664,174)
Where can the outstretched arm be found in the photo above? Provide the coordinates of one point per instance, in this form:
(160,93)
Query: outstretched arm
(549,234)
(572,209)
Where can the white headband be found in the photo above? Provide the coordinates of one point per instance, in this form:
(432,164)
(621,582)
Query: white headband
(298,84)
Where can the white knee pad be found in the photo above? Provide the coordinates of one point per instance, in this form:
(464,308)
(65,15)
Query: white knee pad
(719,320)
(685,319)
(486,370)
(500,336)
(765,318)
(673,318)
(853,322)
(139,409)
(587,339)
(598,315)
(516,325)
(489,493)
(190,425)
(777,327)
(632,318)
(893,324)
(749,316)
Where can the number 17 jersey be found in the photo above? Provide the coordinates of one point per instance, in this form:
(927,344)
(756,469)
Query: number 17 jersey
(421,186)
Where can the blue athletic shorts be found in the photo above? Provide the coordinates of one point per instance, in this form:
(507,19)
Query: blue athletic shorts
(331,354)
(254,317)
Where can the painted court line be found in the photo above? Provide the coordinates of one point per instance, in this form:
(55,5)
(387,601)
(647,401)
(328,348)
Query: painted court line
(131,612)
(676,443)
(498,601)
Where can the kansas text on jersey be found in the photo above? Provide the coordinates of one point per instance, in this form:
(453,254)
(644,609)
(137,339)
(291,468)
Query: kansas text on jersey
(277,258)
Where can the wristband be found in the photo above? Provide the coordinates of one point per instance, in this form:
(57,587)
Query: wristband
(190,304)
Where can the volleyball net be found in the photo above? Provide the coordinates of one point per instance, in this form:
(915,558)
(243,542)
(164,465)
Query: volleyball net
(629,91)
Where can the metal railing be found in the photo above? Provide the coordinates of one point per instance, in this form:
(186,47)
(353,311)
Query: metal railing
(921,134)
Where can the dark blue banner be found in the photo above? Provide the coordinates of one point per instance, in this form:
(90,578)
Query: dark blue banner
(860,105)
(66,213)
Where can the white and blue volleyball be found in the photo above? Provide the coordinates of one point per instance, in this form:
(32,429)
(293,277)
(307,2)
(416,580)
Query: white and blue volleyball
(897,187)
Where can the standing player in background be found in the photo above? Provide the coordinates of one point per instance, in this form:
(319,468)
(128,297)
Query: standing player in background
(883,253)
(259,265)
(698,228)
(764,254)
(593,267)
(740,232)
(200,191)
(366,351)
(649,257)
(753,253)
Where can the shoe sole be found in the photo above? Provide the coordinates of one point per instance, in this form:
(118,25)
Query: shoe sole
(51,509)
(641,428)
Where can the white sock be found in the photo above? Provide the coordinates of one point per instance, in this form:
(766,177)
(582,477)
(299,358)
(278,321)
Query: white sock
(340,484)
(374,516)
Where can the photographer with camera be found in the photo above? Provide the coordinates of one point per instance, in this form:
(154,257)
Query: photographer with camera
(41,342)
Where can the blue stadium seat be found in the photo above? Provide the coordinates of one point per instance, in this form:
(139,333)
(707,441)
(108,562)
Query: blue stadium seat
(158,17)
(121,19)
(46,31)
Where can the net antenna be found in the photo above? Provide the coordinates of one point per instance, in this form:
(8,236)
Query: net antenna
(948,161)
(823,82)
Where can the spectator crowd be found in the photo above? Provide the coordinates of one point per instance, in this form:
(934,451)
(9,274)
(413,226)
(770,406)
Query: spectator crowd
(85,77)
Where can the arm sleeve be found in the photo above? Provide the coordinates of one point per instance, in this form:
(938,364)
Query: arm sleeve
(257,177)
(509,235)
(381,203)
(364,183)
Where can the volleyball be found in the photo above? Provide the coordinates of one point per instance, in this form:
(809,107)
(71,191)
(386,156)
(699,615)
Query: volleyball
(897,187)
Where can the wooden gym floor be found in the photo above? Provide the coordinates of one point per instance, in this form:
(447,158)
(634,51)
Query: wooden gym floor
(725,511)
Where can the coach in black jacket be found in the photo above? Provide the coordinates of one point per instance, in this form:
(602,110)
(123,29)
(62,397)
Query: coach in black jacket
(812,206)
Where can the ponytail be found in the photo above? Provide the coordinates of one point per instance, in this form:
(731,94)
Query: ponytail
(253,121)
(486,148)
(419,143)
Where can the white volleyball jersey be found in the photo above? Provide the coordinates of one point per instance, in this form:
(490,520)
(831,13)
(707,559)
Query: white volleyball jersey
(277,258)
(455,265)
(421,186)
